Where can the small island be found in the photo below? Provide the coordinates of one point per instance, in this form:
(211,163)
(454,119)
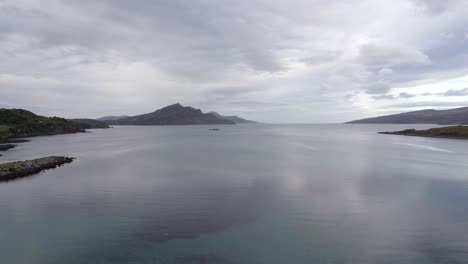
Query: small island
(19,169)
(456,132)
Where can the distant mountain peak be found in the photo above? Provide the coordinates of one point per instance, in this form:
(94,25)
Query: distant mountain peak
(176,105)
(175,114)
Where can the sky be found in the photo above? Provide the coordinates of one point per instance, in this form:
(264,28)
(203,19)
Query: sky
(295,61)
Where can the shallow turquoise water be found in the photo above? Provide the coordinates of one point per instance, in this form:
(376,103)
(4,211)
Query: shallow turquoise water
(243,194)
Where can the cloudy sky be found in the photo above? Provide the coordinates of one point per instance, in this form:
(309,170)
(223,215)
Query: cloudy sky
(268,60)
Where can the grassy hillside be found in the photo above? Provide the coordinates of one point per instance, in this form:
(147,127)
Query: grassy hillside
(4,131)
(441,132)
(22,123)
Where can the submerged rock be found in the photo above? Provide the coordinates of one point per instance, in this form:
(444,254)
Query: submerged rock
(18,169)
(5,147)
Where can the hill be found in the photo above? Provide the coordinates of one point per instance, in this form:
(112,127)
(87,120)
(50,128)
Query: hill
(175,114)
(430,116)
(235,119)
(23,123)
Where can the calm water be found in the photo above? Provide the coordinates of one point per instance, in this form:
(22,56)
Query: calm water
(245,194)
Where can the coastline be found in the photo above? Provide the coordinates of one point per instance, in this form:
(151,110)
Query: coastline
(411,135)
(450,132)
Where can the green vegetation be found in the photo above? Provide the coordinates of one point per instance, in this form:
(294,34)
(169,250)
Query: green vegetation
(4,131)
(460,132)
(22,123)
(89,123)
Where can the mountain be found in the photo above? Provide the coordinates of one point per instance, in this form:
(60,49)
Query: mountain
(430,116)
(111,118)
(234,119)
(23,123)
(175,114)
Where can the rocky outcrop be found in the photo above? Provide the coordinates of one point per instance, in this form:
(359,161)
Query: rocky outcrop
(18,169)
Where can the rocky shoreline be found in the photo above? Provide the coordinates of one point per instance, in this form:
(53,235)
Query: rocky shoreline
(19,169)
(452,132)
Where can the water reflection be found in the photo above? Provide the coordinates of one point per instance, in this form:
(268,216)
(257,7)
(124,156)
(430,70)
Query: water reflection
(248,194)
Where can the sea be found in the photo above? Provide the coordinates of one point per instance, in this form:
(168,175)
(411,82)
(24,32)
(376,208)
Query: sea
(243,194)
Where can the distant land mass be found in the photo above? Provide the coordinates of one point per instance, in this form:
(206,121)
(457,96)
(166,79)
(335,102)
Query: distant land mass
(87,123)
(235,119)
(442,117)
(111,118)
(175,114)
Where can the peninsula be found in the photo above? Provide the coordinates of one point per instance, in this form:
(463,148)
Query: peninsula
(457,132)
(19,123)
(19,169)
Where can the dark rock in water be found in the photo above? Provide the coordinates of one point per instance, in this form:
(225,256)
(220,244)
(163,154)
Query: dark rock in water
(18,169)
(200,259)
(214,129)
(5,147)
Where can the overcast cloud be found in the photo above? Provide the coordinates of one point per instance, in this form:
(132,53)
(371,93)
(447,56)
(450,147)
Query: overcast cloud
(269,60)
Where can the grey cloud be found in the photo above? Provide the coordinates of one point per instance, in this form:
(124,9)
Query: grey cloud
(384,56)
(244,55)
(403,95)
(320,57)
(406,95)
(449,93)
(384,97)
(378,88)
(462,92)
(437,6)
